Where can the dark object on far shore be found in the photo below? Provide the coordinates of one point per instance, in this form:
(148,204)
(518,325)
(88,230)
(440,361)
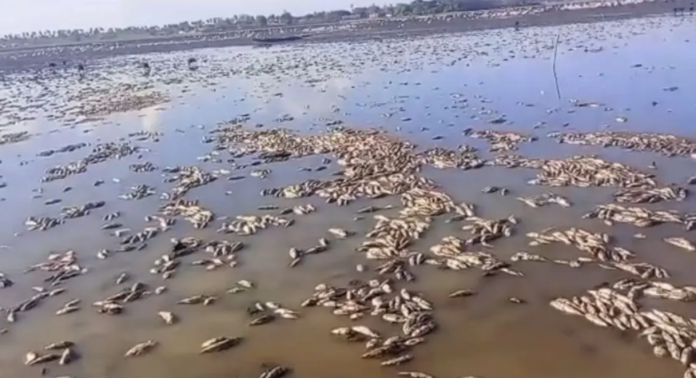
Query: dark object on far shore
(290,38)
(192,64)
(517,25)
(146,68)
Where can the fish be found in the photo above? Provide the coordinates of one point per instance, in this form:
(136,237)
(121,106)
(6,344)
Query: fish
(196,299)
(263,319)
(461,293)
(67,356)
(275,372)
(681,243)
(59,345)
(339,233)
(168,317)
(141,348)
(414,374)
(397,360)
(34,359)
(219,344)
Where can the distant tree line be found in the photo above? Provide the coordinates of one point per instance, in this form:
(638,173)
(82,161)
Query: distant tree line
(244,21)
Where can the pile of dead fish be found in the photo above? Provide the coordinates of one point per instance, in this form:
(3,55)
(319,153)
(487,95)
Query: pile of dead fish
(668,334)
(637,216)
(44,223)
(451,254)
(651,195)
(598,245)
(662,290)
(62,171)
(486,230)
(142,167)
(390,237)
(464,158)
(379,299)
(516,161)
(67,148)
(62,267)
(100,153)
(342,192)
(422,202)
(665,144)
(600,248)
(137,192)
(121,102)
(501,141)
(64,358)
(251,224)
(187,178)
(545,199)
(8,138)
(375,164)
(586,171)
(190,209)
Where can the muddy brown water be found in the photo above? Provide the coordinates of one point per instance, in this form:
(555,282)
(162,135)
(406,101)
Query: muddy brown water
(483,336)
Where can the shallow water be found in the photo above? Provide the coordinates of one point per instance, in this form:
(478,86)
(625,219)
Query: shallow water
(418,89)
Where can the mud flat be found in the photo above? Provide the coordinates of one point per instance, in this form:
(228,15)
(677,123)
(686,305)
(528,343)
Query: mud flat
(422,207)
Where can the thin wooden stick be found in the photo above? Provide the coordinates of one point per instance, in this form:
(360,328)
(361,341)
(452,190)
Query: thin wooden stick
(555,75)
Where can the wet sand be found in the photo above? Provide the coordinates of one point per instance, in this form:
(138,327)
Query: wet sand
(444,86)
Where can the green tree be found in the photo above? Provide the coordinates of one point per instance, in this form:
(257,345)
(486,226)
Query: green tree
(261,20)
(286,18)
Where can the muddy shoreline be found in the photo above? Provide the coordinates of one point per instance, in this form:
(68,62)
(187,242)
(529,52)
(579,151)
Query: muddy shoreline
(18,59)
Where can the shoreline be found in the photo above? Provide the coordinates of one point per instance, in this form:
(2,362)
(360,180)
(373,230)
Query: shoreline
(14,60)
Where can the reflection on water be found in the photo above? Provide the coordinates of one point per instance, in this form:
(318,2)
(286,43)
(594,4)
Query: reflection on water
(150,119)
(418,89)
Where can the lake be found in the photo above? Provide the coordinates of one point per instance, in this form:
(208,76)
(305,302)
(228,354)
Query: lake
(634,76)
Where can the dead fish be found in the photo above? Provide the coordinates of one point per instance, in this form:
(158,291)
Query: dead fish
(67,309)
(681,243)
(167,316)
(294,253)
(123,277)
(219,344)
(365,331)
(196,299)
(339,233)
(140,348)
(414,374)
(245,284)
(59,345)
(275,372)
(261,320)
(462,293)
(29,357)
(33,358)
(397,360)
(67,356)
(111,226)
